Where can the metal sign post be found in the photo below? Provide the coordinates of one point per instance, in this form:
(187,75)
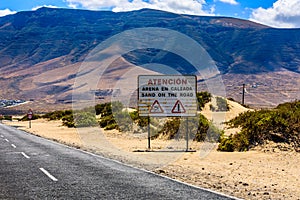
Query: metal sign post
(29,116)
(243,95)
(149,134)
(187,134)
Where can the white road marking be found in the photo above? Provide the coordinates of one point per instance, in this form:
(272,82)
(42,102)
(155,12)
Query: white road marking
(14,146)
(6,140)
(25,155)
(48,174)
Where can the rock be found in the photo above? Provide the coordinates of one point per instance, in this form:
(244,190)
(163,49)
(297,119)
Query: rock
(160,171)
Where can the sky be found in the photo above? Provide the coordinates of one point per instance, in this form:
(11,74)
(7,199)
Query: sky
(274,13)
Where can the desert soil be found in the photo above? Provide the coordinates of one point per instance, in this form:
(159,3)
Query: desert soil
(263,173)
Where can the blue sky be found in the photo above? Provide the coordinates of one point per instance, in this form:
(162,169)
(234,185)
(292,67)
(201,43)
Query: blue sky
(275,13)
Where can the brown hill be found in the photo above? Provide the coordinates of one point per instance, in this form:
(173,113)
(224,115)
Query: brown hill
(41,52)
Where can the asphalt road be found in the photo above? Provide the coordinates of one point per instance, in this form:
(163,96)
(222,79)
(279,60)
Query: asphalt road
(35,168)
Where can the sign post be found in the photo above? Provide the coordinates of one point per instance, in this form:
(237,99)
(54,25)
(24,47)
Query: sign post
(167,96)
(149,134)
(187,134)
(29,116)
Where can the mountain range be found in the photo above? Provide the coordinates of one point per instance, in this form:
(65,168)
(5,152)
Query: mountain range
(41,52)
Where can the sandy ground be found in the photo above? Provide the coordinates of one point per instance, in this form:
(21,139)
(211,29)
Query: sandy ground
(265,173)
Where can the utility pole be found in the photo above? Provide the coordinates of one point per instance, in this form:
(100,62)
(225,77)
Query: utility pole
(243,97)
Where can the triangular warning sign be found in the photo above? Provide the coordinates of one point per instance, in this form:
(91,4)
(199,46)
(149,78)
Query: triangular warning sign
(178,108)
(156,108)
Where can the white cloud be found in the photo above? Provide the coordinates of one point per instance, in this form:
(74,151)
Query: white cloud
(232,2)
(194,7)
(47,6)
(283,14)
(213,9)
(6,12)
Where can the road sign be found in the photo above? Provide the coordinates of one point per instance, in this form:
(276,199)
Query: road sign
(156,108)
(29,114)
(178,108)
(167,95)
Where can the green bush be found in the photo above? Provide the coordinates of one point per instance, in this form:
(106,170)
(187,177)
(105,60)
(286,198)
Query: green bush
(111,127)
(170,128)
(57,115)
(198,127)
(25,117)
(241,142)
(65,115)
(222,104)
(103,109)
(202,99)
(113,117)
(237,142)
(85,119)
(79,119)
(123,121)
(207,130)
(203,126)
(226,144)
(107,121)
(68,121)
(7,117)
(281,124)
(140,121)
